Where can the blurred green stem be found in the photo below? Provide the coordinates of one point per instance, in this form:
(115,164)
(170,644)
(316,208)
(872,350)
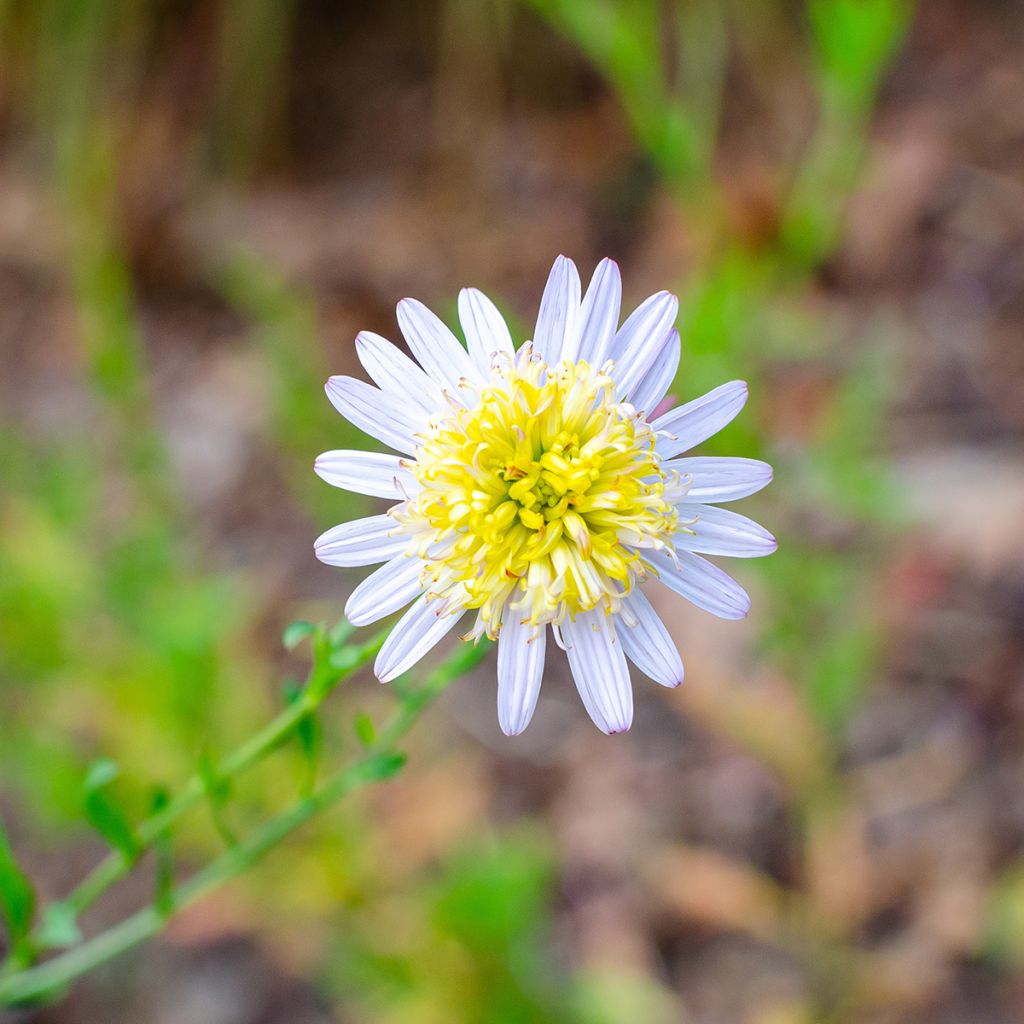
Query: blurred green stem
(38,982)
(323,677)
(378,762)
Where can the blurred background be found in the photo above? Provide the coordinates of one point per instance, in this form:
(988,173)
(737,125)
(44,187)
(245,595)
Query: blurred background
(201,203)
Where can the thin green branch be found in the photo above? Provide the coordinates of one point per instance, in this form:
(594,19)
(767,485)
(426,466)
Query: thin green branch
(38,982)
(379,761)
(323,677)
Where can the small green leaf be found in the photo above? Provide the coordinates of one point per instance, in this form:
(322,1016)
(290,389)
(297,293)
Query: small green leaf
(59,928)
(308,732)
(295,632)
(366,731)
(216,786)
(17,897)
(101,773)
(352,656)
(384,766)
(163,883)
(345,659)
(104,815)
(309,735)
(217,789)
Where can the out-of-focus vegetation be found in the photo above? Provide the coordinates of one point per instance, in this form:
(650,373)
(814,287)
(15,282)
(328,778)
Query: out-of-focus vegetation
(217,196)
(745,297)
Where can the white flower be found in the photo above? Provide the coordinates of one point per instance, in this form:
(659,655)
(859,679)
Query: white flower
(534,489)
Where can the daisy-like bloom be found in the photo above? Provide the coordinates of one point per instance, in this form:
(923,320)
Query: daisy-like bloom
(538,488)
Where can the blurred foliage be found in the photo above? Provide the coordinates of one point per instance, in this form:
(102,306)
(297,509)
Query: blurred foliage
(17,901)
(482,944)
(483,941)
(284,326)
(746,302)
(666,63)
(25,978)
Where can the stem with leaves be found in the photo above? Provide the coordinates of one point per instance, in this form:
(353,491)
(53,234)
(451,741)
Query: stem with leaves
(22,982)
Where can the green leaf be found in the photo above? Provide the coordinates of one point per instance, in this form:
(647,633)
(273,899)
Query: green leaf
(345,659)
(17,897)
(308,733)
(366,731)
(216,786)
(59,928)
(384,766)
(295,632)
(104,815)
(217,789)
(854,39)
(101,773)
(163,883)
(332,664)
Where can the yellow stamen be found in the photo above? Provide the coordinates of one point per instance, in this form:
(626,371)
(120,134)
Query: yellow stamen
(543,492)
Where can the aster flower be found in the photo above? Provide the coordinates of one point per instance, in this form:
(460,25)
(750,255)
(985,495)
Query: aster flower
(538,488)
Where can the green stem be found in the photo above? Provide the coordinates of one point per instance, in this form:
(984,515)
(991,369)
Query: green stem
(115,866)
(37,982)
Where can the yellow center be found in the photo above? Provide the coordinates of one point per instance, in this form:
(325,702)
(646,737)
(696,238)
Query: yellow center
(545,491)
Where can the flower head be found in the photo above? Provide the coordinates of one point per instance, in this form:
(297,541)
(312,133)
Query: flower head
(539,490)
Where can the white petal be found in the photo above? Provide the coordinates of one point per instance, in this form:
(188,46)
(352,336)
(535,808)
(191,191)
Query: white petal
(599,667)
(558,319)
(653,387)
(520,667)
(647,644)
(390,420)
(361,542)
(485,329)
(394,372)
(599,315)
(704,584)
(416,632)
(721,532)
(641,339)
(434,345)
(384,591)
(698,420)
(721,479)
(374,473)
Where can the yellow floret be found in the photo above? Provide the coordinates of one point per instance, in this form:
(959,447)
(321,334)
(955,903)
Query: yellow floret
(546,490)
